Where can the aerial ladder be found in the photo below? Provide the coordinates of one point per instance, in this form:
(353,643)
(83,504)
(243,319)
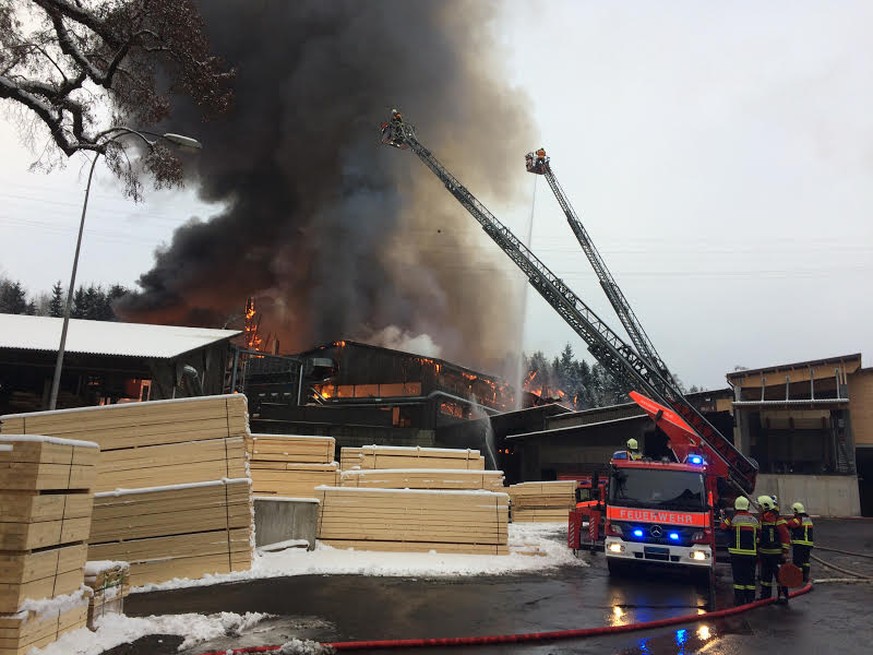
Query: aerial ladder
(620,359)
(539,163)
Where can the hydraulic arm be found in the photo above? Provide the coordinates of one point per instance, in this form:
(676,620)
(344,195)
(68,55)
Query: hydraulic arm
(540,164)
(606,346)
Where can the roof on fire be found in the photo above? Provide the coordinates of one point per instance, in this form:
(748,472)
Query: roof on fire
(21,332)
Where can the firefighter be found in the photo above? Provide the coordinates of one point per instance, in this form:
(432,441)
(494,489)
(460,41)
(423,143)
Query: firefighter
(743,549)
(774,541)
(633,449)
(800,527)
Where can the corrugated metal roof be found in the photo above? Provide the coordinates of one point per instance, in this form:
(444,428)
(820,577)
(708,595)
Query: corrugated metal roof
(22,332)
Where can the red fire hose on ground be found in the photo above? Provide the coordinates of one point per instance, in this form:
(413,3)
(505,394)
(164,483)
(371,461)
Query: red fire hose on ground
(554,635)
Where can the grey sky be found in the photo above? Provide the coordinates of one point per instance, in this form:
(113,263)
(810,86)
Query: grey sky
(720,155)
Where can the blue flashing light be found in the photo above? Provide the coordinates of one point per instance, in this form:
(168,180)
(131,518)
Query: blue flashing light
(638,533)
(674,536)
(695,459)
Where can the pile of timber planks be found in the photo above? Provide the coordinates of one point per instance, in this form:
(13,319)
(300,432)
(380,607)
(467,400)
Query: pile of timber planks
(423,479)
(542,502)
(151,509)
(45,519)
(350,458)
(154,443)
(409,457)
(291,465)
(180,531)
(110,584)
(413,520)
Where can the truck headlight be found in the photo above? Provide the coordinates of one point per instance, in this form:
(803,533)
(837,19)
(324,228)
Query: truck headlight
(699,555)
(616,548)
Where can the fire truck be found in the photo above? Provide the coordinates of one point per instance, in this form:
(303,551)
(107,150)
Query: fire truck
(648,518)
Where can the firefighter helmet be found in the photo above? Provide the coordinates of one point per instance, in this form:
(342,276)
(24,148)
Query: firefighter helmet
(741,503)
(766,503)
(799,508)
(632,444)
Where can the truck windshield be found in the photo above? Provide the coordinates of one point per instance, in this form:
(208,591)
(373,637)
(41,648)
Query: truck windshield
(675,490)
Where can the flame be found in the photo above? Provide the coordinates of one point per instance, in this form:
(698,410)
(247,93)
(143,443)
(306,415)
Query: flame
(253,340)
(542,389)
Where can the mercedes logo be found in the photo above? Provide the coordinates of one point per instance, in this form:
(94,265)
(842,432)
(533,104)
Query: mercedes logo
(656,531)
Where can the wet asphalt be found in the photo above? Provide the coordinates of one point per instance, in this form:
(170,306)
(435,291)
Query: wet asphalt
(833,618)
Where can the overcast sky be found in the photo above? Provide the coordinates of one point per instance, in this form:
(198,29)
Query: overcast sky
(719,154)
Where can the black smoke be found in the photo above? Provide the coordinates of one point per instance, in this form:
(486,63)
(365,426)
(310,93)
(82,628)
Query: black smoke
(335,235)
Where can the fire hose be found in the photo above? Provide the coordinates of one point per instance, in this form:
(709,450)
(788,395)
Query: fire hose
(518,638)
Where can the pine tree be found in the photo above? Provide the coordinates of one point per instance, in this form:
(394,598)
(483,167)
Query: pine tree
(13,299)
(56,304)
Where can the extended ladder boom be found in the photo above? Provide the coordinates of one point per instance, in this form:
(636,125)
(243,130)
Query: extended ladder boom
(604,344)
(540,164)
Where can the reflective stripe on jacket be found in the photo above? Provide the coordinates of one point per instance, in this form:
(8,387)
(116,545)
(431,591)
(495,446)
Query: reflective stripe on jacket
(744,539)
(774,538)
(800,526)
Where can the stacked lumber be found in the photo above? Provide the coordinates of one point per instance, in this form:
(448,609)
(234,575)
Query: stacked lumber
(413,520)
(291,465)
(155,443)
(350,458)
(542,502)
(406,457)
(45,519)
(423,479)
(43,625)
(173,485)
(180,531)
(110,584)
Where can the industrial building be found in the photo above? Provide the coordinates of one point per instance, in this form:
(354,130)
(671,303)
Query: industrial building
(106,362)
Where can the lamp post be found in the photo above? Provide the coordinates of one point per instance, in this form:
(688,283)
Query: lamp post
(111,134)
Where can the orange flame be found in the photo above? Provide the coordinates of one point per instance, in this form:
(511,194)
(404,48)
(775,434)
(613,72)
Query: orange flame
(253,322)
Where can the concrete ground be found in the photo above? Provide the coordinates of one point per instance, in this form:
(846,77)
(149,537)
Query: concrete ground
(833,618)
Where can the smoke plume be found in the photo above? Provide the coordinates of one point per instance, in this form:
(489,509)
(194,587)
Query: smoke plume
(336,236)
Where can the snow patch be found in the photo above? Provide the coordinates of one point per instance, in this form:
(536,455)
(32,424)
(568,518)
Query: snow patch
(116,629)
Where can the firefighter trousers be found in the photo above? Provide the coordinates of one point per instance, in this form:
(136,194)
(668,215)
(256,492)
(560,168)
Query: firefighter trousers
(800,557)
(743,569)
(770,564)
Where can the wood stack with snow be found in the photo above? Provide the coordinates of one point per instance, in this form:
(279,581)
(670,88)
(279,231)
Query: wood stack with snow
(409,457)
(542,502)
(154,443)
(174,489)
(415,499)
(414,520)
(423,479)
(45,518)
(291,465)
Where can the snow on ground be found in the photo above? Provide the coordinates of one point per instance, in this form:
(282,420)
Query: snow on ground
(533,546)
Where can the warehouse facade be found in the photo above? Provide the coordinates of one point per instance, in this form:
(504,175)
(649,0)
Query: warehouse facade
(106,362)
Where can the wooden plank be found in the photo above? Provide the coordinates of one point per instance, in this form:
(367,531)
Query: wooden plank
(142,573)
(292,448)
(31,506)
(49,450)
(23,631)
(26,566)
(13,595)
(418,547)
(35,476)
(30,536)
(162,548)
(424,479)
(150,423)
(179,472)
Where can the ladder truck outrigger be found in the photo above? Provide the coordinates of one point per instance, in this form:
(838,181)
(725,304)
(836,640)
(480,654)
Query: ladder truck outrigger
(644,522)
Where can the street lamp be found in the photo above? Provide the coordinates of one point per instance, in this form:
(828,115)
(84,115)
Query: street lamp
(111,134)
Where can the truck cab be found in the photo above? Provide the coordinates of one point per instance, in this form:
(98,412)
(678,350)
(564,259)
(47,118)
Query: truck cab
(660,513)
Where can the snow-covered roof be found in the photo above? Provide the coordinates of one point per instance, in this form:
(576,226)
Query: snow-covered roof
(21,332)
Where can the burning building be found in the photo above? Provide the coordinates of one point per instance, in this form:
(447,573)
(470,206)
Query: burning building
(363,394)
